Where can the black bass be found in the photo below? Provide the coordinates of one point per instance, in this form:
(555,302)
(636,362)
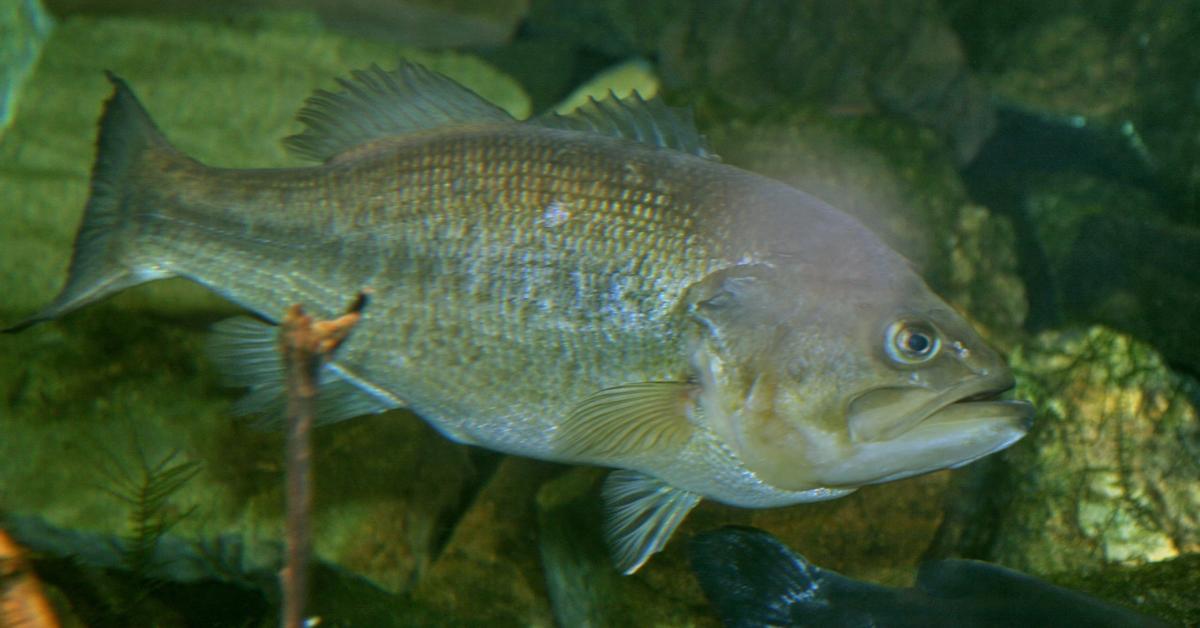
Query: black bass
(589,288)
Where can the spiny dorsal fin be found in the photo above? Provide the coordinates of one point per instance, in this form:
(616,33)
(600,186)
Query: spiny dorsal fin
(633,118)
(642,513)
(246,352)
(376,104)
(627,421)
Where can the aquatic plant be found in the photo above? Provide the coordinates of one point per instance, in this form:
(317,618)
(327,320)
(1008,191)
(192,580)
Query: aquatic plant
(147,491)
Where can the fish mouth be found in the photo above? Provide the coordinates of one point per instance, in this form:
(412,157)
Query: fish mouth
(902,432)
(885,413)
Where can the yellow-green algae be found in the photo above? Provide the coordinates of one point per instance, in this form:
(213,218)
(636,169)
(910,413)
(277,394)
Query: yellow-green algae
(1105,476)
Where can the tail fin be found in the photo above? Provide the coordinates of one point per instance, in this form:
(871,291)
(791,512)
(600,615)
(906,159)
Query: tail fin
(99,265)
(753,580)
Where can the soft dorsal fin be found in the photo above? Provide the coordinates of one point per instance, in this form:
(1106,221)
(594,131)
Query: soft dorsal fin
(634,118)
(376,104)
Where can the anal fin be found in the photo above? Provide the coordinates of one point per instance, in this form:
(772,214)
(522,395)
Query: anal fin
(642,513)
(246,352)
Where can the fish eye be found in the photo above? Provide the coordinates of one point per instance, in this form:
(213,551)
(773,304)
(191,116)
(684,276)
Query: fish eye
(912,342)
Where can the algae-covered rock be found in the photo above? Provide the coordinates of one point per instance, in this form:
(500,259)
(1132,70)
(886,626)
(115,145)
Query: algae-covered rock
(1066,63)
(1097,130)
(425,23)
(1128,65)
(751,57)
(1165,589)
(24,25)
(488,571)
(634,76)
(584,588)
(1109,472)
(1113,258)
(878,534)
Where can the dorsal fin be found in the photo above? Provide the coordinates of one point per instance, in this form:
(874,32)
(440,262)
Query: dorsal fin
(376,104)
(634,118)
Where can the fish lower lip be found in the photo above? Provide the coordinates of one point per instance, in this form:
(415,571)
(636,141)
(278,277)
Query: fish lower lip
(885,413)
(982,396)
(957,434)
(1017,409)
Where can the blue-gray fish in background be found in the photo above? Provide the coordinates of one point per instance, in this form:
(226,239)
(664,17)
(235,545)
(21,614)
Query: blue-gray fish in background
(754,581)
(587,288)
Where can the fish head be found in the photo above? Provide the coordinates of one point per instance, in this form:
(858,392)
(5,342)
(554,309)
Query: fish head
(819,383)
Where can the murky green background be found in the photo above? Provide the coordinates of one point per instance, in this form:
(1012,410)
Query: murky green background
(1039,161)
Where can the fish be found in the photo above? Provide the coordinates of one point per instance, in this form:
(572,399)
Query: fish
(588,288)
(752,579)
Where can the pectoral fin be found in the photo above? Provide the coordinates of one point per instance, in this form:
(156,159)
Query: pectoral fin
(642,512)
(627,421)
(246,352)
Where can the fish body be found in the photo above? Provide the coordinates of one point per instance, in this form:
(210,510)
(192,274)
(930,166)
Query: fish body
(593,288)
(753,580)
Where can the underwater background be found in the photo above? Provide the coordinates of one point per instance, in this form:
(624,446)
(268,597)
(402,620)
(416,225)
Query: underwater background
(1038,161)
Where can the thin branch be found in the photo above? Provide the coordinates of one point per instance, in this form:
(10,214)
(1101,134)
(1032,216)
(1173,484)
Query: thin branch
(304,344)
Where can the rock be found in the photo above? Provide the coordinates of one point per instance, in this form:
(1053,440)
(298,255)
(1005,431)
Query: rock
(489,571)
(25,26)
(1115,260)
(749,57)
(1098,129)
(209,583)
(878,534)
(1108,473)
(1127,66)
(634,76)
(1165,589)
(1065,63)
(388,489)
(585,589)
(422,23)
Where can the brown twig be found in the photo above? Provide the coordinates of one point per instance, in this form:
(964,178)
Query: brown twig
(304,344)
(21,600)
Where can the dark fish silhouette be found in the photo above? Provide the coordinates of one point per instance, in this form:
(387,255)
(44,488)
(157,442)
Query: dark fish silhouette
(752,579)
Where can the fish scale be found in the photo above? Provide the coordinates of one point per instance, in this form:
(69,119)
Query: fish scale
(462,240)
